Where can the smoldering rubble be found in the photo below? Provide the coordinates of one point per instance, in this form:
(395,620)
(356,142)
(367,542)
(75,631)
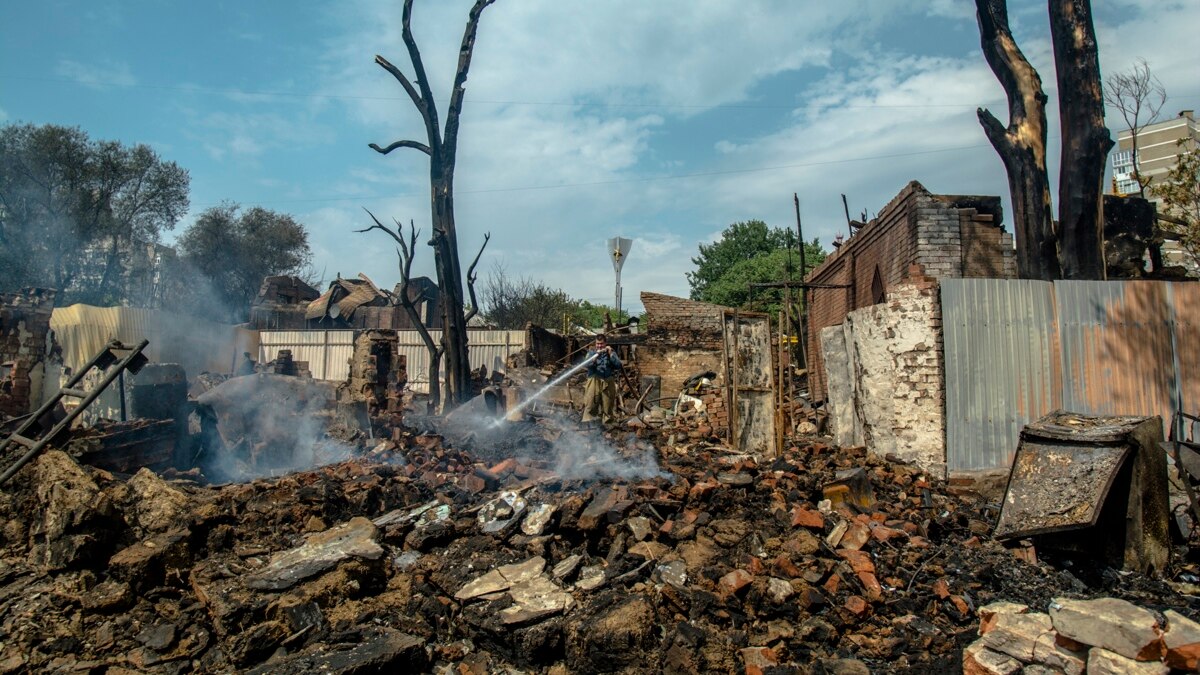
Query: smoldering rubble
(535,547)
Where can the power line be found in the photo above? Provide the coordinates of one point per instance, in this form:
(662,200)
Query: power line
(625,181)
(566,104)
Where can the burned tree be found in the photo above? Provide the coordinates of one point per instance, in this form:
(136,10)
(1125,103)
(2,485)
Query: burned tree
(1085,140)
(441,148)
(1022,144)
(406,252)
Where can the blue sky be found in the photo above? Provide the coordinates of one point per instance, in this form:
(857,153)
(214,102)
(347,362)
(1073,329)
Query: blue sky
(660,121)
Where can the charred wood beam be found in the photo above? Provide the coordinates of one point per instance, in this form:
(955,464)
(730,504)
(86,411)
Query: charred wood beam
(1085,140)
(1021,144)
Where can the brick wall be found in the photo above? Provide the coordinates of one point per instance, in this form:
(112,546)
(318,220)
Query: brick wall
(24,327)
(683,337)
(888,377)
(681,322)
(949,235)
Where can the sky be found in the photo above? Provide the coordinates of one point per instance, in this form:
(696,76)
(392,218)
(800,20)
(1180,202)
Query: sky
(661,121)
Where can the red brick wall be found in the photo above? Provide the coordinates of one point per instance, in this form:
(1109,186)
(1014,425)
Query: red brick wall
(683,337)
(948,235)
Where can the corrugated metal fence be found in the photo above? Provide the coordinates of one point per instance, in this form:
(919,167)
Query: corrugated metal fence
(1018,349)
(328,353)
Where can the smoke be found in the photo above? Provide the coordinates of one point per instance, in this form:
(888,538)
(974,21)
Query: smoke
(554,440)
(592,457)
(268,425)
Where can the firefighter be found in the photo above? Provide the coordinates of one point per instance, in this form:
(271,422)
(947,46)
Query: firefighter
(600,394)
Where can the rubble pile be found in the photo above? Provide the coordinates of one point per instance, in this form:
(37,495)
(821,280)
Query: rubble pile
(1105,635)
(430,557)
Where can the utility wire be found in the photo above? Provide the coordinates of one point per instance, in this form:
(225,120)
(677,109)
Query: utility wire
(625,181)
(568,104)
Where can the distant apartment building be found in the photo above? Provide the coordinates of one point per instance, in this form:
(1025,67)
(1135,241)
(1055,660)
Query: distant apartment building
(1158,147)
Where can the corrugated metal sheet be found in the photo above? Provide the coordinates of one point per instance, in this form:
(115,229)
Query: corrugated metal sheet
(328,353)
(1001,366)
(1016,350)
(1117,353)
(484,347)
(197,345)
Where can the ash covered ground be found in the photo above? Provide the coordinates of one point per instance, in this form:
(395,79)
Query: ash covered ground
(528,547)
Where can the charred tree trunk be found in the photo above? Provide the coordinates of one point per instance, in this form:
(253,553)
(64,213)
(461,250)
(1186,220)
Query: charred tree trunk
(1022,144)
(1085,140)
(442,150)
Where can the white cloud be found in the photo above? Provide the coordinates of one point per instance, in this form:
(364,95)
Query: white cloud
(249,135)
(3,115)
(100,74)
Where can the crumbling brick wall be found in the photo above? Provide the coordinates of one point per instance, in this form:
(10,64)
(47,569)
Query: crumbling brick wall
(24,328)
(949,235)
(887,375)
(683,338)
(378,372)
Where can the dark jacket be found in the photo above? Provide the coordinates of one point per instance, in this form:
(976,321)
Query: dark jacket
(605,366)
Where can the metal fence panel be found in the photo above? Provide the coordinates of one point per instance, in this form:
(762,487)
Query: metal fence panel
(1117,353)
(1017,349)
(1001,366)
(327,352)
(483,348)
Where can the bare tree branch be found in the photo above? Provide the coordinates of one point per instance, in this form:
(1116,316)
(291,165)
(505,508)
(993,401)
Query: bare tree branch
(427,105)
(471,278)
(401,78)
(465,51)
(415,145)
(406,252)
(1133,93)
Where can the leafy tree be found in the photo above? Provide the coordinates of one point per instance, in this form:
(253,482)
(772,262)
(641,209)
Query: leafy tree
(1180,192)
(234,251)
(591,316)
(733,287)
(750,253)
(77,215)
(740,241)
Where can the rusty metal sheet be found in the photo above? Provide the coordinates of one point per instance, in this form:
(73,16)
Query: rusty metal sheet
(1001,359)
(1065,465)
(1117,351)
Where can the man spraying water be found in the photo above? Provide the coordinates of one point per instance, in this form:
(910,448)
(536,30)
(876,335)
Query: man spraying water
(600,393)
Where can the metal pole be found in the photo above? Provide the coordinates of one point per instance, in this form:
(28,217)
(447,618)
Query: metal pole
(121,386)
(618,294)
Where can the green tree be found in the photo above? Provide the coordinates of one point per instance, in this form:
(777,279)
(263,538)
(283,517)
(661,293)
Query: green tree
(591,316)
(78,215)
(740,241)
(234,251)
(750,253)
(1180,192)
(733,288)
